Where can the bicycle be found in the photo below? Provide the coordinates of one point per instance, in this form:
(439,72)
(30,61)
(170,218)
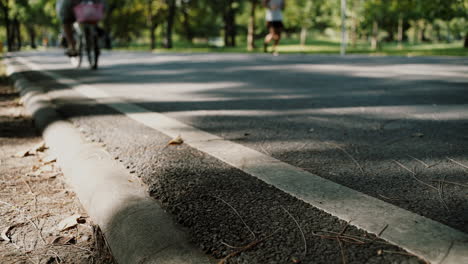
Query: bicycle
(88,14)
(87,39)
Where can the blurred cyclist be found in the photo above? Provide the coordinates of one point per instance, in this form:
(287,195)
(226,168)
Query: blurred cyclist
(66,15)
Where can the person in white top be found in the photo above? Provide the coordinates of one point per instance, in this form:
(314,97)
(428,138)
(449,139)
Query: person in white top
(274,19)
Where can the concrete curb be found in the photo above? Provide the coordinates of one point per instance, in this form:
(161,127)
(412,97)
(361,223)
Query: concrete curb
(136,228)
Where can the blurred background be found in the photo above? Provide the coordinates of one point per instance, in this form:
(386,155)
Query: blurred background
(388,27)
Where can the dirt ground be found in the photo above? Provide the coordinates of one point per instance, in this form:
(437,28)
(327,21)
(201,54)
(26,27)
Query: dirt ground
(41,219)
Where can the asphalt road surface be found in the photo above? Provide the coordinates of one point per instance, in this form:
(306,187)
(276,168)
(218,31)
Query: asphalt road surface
(392,128)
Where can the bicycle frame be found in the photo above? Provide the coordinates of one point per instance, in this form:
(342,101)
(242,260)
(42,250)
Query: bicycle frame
(86,37)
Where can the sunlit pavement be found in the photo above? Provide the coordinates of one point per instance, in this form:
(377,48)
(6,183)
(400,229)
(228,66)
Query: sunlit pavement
(393,128)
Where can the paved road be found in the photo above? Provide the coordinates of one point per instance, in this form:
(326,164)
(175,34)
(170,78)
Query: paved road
(392,128)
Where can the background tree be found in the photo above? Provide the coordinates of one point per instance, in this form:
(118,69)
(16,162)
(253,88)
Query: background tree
(154,12)
(171,12)
(252,24)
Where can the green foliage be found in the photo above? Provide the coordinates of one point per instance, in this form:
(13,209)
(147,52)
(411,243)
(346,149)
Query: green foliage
(133,21)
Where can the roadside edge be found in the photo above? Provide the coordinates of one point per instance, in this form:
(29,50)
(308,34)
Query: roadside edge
(138,230)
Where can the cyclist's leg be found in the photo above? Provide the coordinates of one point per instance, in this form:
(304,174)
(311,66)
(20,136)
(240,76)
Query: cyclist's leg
(66,15)
(68,30)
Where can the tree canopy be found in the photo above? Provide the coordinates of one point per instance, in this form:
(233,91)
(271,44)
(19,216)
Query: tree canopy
(225,22)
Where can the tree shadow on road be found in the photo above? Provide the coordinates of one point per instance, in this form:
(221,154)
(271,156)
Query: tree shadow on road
(374,131)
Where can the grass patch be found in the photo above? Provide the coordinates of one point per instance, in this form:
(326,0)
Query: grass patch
(318,46)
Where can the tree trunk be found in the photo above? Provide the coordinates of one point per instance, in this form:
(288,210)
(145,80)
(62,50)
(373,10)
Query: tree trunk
(153,35)
(420,31)
(251,31)
(32,37)
(354,35)
(151,22)
(375,35)
(170,24)
(465,44)
(303,36)
(233,32)
(8,28)
(108,25)
(448,37)
(188,30)
(17,40)
(400,32)
(355,23)
(229,25)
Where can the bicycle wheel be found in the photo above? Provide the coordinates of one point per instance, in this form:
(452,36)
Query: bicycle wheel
(76,60)
(92,47)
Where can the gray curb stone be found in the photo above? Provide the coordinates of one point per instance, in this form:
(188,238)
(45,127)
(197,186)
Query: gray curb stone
(137,229)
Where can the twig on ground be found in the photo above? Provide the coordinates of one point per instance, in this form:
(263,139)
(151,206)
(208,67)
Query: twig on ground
(440,191)
(235,253)
(300,229)
(237,213)
(456,162)
(435,164)
(447,253)
(229,246)
(346,238)
(263,148)
(414,175)
(349,155)
(32,260)
(398,252)
(59,259)
(420,161)
(345,227)
(450,182)
(32,192)
(388,198)
(343,256)
(29,186)
(381,231)
(352,239)
(39,232)
(404,167)
(78,247)
(247,247)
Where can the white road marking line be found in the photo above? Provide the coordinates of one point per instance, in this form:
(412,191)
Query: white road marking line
(421,236)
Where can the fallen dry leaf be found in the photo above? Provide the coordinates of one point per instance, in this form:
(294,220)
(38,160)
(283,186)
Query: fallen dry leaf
(33,151)
(5,235)
(22,154)
(40,147)
(176,141)
(61,240)
(49,159)
(71,222)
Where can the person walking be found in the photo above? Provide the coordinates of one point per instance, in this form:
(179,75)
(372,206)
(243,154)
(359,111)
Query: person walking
(274,21)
